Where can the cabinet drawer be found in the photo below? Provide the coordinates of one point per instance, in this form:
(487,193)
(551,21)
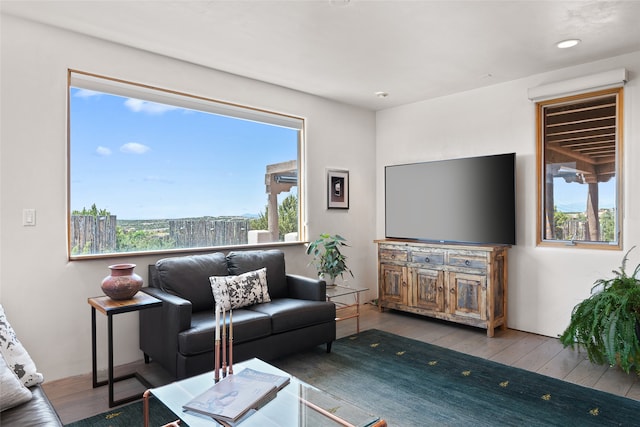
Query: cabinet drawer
(388,254)
(424,257)
(468,261)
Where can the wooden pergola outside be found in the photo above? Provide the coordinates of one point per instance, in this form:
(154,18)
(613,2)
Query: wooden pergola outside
(279,178)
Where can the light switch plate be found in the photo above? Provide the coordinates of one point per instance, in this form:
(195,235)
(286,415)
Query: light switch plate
(28,217)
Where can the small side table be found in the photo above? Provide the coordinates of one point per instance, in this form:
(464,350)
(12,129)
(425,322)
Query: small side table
(109,308)
(340,291)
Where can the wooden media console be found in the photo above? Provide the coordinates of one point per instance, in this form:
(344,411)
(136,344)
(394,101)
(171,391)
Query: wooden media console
(459,283)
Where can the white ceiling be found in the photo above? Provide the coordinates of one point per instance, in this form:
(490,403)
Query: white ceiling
(348,50)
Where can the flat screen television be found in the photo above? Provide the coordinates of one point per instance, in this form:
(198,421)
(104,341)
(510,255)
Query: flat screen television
(466,200)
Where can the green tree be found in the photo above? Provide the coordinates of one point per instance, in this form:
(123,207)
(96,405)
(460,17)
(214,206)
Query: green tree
(92,212)
(560,219)
(287,217)
(608,226)
(260,223)
(141,240)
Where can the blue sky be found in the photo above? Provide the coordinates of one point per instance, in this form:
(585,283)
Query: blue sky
(572,197)
(142,160)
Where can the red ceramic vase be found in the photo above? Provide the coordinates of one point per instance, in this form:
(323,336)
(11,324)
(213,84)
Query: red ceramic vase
(122,283)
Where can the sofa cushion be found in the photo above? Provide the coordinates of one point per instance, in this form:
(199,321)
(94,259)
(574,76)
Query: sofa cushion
(13,392)
(188,277)
(288,314)
(247,326)
(16,355)
(245,261)
(38,411)
(231,292)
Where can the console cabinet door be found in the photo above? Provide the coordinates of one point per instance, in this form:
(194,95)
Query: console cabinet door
(427,289)
(393,287)
(468,295)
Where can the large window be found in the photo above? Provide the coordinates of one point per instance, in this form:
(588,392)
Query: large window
(154,170)
(579,158)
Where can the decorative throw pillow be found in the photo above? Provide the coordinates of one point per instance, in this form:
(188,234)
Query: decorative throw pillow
(15,354)
(14,392)
(246,289)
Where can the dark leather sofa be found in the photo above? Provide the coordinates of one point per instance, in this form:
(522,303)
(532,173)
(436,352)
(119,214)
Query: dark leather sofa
(36,412)
(180,334)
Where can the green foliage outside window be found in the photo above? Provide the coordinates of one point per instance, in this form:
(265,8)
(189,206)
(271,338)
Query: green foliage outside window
(141,240)
(560,219)
(287,217)
(608,226)
(93,211)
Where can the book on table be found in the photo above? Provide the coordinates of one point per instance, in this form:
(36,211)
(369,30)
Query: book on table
(235,395)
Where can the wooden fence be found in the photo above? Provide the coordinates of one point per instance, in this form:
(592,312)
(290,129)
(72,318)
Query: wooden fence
(93,234)
(206,232)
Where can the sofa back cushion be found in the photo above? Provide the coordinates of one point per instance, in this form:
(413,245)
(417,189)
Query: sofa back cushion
(188,277)
(240,262)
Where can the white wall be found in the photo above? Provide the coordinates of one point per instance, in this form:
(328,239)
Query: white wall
(45,295)
(544,283)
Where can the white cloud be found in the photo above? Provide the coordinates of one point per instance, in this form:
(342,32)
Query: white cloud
(103,151)
(86,93)
(134,148)
(140,106)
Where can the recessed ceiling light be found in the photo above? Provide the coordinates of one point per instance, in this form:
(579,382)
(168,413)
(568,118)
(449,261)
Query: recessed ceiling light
(381,94)
(564,44)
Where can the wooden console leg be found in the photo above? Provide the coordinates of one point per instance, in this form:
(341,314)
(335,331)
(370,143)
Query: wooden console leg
(329,346)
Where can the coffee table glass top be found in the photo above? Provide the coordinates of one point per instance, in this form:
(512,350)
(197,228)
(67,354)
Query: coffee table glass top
(297,404)
(338,290)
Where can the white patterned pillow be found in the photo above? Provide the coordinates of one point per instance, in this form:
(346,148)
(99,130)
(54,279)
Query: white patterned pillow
(15,354)
(14,392)
(246,289)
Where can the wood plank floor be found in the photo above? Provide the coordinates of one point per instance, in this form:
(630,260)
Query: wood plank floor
(75,399)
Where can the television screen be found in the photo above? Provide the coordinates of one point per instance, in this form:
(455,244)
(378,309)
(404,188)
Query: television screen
(467,200)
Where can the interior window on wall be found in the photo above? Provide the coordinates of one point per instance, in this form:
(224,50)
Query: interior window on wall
(579,147)
(155,170)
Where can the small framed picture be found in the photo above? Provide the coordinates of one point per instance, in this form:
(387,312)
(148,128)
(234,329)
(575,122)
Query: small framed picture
(337,189)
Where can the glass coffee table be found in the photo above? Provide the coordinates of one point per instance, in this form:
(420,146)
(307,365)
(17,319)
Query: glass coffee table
(297,404)
(346,311)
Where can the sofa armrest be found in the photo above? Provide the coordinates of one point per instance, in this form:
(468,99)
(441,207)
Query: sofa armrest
(302,287)
(174,307)
(160,326)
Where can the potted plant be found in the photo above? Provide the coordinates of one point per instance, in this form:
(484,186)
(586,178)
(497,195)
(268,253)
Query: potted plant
(327,258)
(606,323)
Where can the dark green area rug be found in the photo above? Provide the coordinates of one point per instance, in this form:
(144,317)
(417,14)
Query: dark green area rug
(411,383)
(130,415)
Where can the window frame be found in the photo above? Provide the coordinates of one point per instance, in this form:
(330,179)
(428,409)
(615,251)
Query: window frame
(129,89)
(541,171)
